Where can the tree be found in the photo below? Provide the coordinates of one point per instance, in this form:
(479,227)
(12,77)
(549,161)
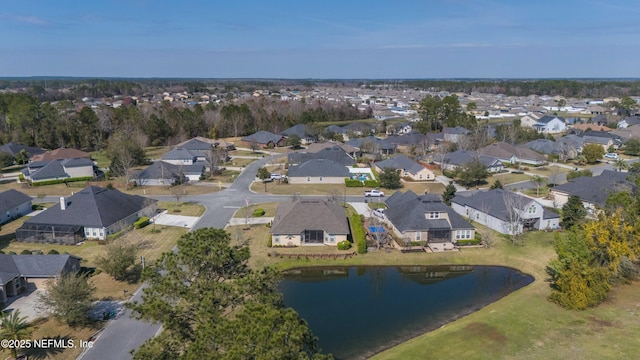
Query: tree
(6,159)
(449,193)
(627,105)
(592,153)
(22,157)
(14,327)
(473,172)
(573,212)
(125,153)
(497,185)
(389,178)
(538,181)
(294,141)
(620,164)
(576,174)
(632,147)
(119,258)
(68,298)
(263,173)
(211,305)
(514,204)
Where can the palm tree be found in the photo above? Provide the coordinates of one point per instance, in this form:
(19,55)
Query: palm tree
(14,327)
(620,164)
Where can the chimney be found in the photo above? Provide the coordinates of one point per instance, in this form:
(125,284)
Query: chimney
(63,203)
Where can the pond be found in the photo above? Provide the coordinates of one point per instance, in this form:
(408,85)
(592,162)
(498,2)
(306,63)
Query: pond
(359,311)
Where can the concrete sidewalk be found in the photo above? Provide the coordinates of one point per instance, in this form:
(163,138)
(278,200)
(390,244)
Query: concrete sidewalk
(164,218)
(249,221)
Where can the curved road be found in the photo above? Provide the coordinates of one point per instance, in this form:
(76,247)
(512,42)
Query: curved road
(125,334)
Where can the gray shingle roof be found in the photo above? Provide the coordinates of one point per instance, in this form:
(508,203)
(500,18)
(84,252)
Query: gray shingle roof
(76,162)
(493,203)
(295,217)
(384,144)
(165,170)
(400,162)
(12,198)
(299,129)
(407,213)
(596,189)
(546,119)
(334,154)
(263,137)
(336,129)
(318,167)
(195,144)
(93,207)
(13,149)
(41,265)
(8,269)
(52,170)
(462,157)
(180,154)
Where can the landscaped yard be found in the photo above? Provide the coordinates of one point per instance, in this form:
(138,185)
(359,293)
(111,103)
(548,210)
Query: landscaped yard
(339,189)
(507,178)
(269,210)
(182,208)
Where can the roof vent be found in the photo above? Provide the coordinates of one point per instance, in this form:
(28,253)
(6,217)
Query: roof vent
(63,203)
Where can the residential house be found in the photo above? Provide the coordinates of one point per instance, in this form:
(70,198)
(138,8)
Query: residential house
(567,147)
(92,213)
(309,222)
(530,120)
(13,204)
(456,134)
(420,143)
(427,219)
(334,153)
(338,130)
(622,124)
(60,154)
(302,131)
(17,271)
(165,173)
(512,154)
(14,149)
(352,151)
(373,145)
(357,129)
(318,171)
(59,169)
(593,191)
(406,167)
(603,138)
(505,211)
(205,144)
(628,133)
(550,125)
(460,158)
(264,139)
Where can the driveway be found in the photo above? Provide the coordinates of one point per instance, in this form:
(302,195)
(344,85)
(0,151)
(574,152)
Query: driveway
(167,219)
(27,304)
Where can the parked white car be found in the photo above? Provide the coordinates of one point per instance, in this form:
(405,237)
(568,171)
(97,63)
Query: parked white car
(379,212)
(611,155)
(276,177)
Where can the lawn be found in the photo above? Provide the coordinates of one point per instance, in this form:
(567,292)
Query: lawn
(269,210)
(239,162)
(182,208)
(339,189)
(507,178)
(156,152)
(101,159)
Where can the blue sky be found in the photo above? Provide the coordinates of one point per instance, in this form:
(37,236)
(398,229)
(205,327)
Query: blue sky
(321,39)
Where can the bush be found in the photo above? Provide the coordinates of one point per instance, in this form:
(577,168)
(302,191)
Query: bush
(344,245)
(53,252)
(26,252)
(36,207)
(371,183)
(258,212)
(269,240)
(61,181)
(142,222)
(353,182)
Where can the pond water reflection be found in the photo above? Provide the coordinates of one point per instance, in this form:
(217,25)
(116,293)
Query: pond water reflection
(358,311)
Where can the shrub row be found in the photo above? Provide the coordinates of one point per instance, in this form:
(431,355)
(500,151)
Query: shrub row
(61,181)
(359,237)
(142,222)
(371,183)
(468,242)
(353,182)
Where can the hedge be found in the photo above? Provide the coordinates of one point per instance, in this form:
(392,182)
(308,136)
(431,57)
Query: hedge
(61,181)
(371,183)
(142,222)
(353,182)
(468,242)
(357,231)
(258,212)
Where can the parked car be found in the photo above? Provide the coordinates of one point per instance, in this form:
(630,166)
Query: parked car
(373,193)
(611,155)
(379,212)
(276,176)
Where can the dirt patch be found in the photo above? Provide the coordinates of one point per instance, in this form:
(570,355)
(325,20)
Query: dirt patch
(477,329)
(600,322)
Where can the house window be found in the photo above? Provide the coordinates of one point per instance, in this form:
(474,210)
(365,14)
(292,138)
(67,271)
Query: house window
(420,176)
(308,178)
(332,239)
(463,234)
(532,209)
(434,215)
(276,239)
(418,236)
(320,178)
